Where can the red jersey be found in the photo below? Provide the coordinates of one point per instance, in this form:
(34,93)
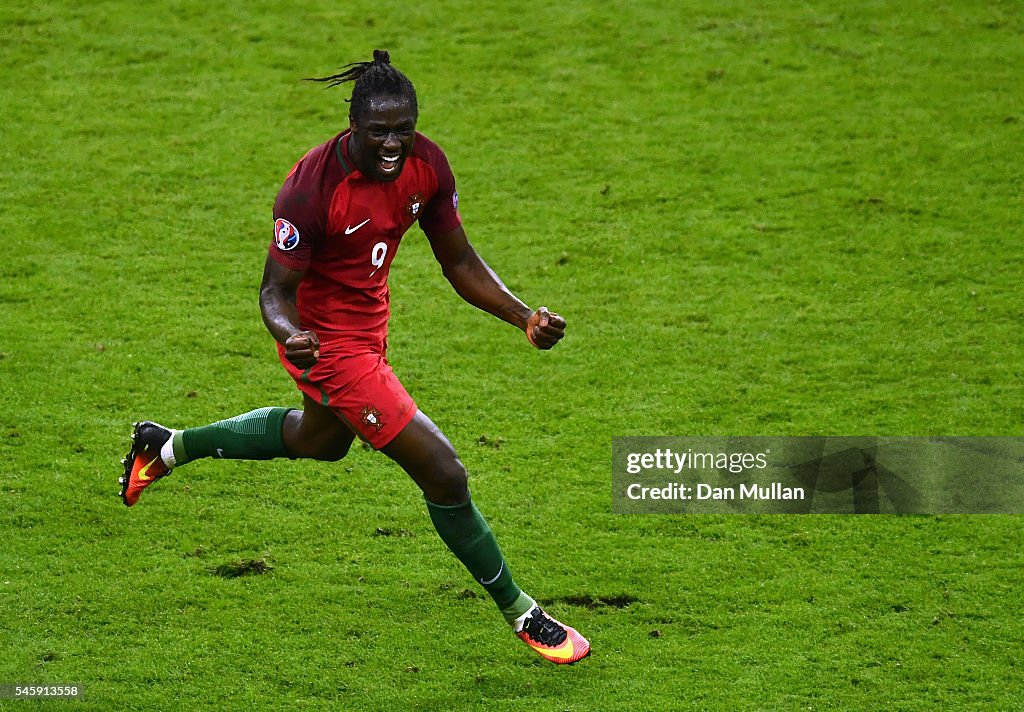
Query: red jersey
(344,228)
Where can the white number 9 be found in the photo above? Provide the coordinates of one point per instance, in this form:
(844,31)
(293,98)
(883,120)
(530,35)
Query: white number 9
(377,255)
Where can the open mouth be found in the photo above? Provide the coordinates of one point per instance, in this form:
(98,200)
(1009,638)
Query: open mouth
(390,163)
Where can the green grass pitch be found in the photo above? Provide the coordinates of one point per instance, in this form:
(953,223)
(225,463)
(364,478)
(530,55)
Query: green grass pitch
(758,219)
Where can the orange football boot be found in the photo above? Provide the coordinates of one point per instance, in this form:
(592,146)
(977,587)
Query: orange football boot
(552,640)
(142,464)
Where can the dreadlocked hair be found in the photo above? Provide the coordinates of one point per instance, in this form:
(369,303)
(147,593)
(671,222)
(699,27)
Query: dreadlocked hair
(371,79)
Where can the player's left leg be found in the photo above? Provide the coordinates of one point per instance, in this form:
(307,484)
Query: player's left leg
(263,434)
(156,450)
(423,451)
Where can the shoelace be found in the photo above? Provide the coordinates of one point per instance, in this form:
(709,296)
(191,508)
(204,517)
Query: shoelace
(541,628)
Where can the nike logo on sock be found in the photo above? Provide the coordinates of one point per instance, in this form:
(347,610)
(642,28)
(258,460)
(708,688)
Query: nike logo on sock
(500,569)
(349,230)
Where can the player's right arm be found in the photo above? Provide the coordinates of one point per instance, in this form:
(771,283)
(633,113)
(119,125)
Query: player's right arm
(281,313)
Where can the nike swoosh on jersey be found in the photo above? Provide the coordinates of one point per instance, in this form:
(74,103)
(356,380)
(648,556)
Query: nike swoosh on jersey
(349,230)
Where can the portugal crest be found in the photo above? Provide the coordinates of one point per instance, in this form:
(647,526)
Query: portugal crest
(414,205)
(371,418)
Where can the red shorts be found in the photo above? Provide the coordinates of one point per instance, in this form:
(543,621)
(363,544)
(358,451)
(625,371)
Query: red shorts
(353,379)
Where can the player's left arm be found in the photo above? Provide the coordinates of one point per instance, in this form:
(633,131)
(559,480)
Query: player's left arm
(477,283)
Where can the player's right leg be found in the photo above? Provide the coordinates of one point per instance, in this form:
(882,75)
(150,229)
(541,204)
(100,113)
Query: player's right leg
(263,434)
(422,450)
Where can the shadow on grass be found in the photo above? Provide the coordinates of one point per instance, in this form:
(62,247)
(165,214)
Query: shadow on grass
(593,602)
(242,567)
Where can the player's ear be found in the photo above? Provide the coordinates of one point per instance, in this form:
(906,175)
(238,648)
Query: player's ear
(351,122)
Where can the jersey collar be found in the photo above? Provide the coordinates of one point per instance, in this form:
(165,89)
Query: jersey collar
(341,148)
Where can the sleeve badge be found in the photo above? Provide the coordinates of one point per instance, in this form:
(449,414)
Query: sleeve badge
(286,235)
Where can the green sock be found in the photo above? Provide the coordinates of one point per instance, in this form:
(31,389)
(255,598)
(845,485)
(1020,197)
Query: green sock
(252,436)
(464,530)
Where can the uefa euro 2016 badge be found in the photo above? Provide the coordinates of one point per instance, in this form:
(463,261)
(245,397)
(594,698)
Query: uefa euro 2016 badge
(414,204)
(286,236)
